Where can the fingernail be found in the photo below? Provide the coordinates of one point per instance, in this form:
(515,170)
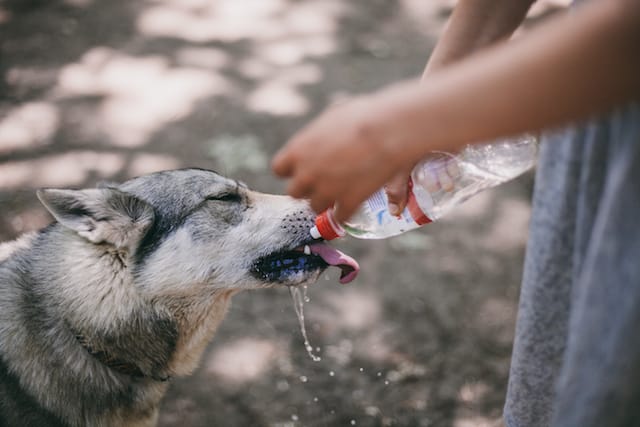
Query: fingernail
(394,209)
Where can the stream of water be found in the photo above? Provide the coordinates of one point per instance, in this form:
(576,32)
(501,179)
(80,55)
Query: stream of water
(299,298)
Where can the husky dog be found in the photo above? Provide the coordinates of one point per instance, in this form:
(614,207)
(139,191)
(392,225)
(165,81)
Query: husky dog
(100,309)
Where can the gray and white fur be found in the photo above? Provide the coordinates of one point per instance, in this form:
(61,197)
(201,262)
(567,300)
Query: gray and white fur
(127,287)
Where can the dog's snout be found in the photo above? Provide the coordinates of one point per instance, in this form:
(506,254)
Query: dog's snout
(299,223)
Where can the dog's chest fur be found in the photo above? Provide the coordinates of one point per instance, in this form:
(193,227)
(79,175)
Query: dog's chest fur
(197,321)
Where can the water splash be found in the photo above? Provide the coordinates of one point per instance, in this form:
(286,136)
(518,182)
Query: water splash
(299,298)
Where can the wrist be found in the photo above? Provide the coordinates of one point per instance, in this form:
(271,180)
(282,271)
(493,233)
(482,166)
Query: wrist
(407,124)
(388,129)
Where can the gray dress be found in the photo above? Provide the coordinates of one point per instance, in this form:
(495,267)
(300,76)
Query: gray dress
(576,355)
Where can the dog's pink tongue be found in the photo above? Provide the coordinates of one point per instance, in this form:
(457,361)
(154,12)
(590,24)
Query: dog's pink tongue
(331,256)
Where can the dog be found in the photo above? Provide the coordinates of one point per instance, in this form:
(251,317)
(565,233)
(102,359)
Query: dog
(123,291)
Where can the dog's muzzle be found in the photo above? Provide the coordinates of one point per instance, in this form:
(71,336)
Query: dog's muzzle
(305,260)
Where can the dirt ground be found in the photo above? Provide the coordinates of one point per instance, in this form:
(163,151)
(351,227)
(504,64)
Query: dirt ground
(104,90)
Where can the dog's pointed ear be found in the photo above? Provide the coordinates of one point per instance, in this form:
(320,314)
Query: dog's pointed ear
(101,215)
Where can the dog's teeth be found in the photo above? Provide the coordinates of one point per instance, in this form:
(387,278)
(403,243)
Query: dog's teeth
(307,250)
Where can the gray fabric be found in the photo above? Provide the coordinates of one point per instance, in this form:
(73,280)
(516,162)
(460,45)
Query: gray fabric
(576,356)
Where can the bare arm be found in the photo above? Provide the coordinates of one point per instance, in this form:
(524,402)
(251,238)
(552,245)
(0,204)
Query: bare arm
(576,66)
(473,25)
(564,70)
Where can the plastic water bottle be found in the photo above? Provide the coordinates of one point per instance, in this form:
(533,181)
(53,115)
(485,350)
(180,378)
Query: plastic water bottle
(437,185)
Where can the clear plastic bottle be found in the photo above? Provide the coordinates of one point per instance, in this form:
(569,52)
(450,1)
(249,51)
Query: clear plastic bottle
(437,185)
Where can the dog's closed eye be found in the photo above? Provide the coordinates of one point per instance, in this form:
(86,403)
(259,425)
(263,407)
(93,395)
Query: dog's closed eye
(225,197)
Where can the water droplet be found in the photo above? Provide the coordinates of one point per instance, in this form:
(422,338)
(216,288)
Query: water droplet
(379,374)
(331,373)
(303,379)
(315,399)
(386,383)
(361,369)
(294,417)
(353,422)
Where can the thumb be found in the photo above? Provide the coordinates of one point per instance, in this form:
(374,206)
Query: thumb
(342,211)
(397,190)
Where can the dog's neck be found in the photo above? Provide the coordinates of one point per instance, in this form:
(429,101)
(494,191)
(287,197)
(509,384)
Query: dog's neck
(153,336)
(197,320)
(116,362)
(112,321)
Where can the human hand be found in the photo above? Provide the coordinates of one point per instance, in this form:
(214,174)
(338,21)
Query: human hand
(440,173)
(397,190)
(342,157)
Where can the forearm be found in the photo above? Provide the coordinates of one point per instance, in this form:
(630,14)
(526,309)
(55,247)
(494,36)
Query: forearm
(565,70)
(475,24)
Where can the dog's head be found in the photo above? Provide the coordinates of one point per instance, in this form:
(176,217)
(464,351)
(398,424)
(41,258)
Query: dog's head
(192,227)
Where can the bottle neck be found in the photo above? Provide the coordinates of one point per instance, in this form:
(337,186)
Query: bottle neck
(327,227)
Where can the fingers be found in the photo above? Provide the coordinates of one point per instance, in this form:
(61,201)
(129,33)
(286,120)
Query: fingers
(282,163)
(430,180)
(440,173)
(300,186)
(343,210)
(453,169)
(448,174)
(285,160)
(445,180)
(320,202)
(303,184)
(397,190)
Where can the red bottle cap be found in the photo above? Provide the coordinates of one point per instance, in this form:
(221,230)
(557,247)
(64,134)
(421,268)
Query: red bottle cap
(327,227)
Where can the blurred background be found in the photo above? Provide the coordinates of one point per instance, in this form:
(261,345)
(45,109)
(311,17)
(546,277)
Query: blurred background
(95,90)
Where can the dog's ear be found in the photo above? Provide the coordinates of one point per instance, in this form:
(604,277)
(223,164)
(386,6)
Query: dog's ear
(102,215)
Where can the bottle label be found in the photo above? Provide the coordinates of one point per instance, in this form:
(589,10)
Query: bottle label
(378,206)
(374,221)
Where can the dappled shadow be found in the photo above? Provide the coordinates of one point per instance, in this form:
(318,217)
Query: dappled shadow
(106,90)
